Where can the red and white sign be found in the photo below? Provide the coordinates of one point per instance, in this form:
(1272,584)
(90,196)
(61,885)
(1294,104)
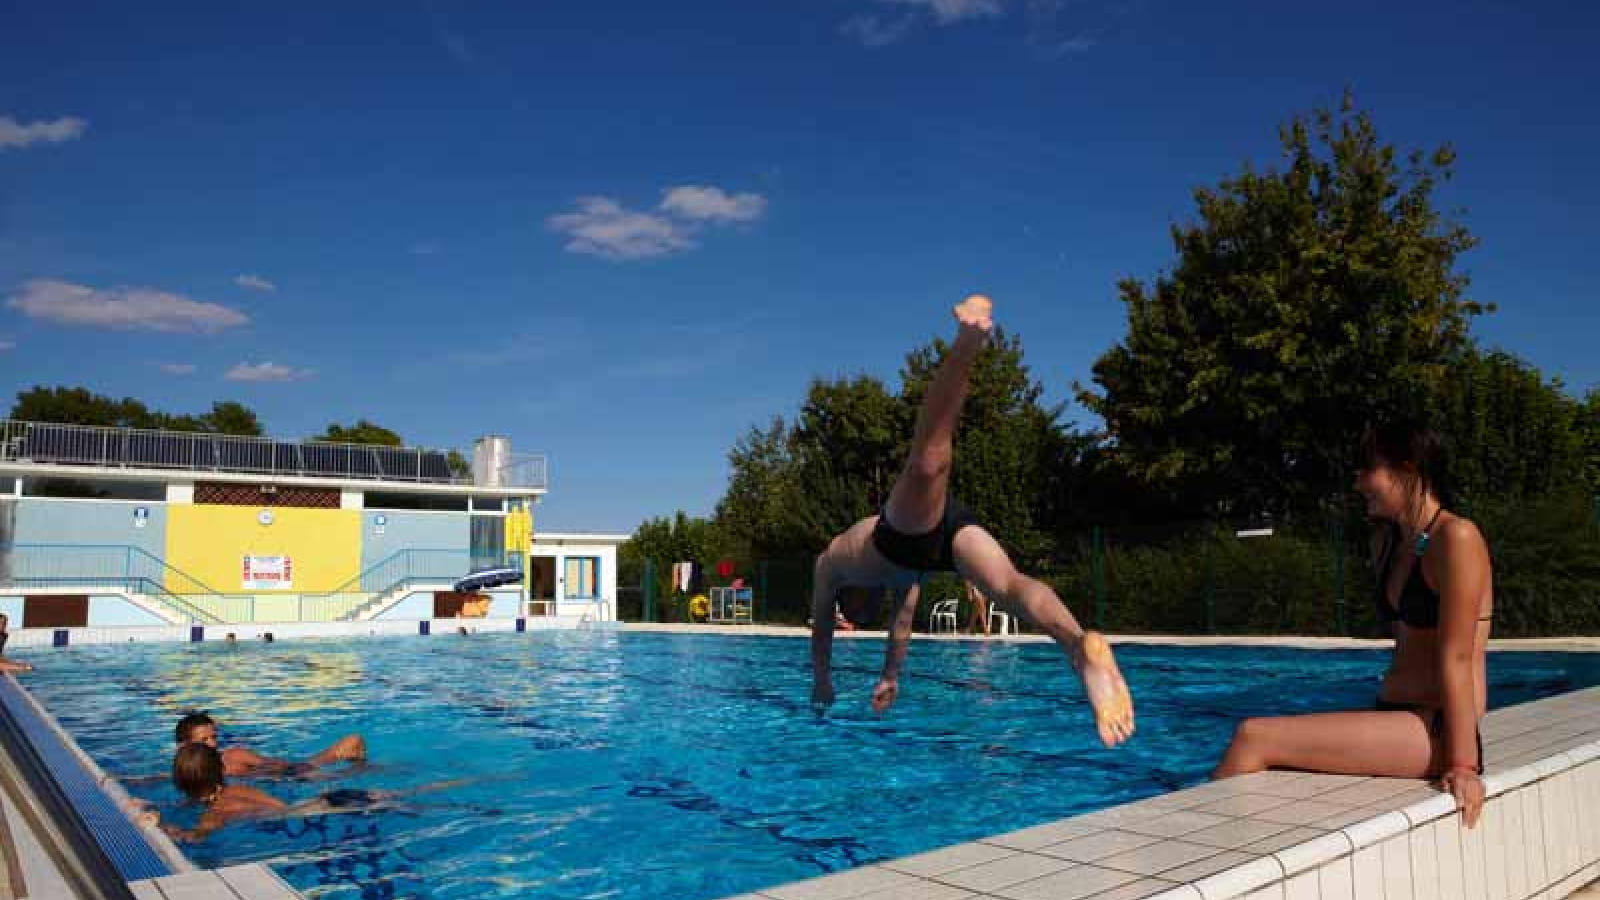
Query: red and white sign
(268,573)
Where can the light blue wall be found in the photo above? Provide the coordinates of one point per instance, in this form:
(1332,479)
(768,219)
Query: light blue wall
(87,522)
(410,531)
(105,611)
(117,612)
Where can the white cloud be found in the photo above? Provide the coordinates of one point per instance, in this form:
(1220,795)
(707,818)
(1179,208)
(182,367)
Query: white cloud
(877,31)
(8,345)
(178,368)
(426,248)
(699,203)
(948,11)
(255,283)
(266,371)
(16,134)
(123,308)
(602,227)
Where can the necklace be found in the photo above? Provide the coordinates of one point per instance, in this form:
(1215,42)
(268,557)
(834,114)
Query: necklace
(1424,536)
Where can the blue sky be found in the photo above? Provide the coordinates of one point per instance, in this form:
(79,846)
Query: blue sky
(623,232)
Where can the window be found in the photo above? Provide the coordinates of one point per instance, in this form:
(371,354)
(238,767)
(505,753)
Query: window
(94,489)
(488,541)
(583,578)
(391,500)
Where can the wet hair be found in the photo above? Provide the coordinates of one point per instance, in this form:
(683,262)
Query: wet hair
(189,723)
(1411,445)
(197,771)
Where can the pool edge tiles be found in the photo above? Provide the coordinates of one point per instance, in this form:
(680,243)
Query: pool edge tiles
(44,638)
(1294,834)
(138,852)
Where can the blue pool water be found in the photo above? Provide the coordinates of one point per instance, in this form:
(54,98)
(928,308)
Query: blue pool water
(678,766)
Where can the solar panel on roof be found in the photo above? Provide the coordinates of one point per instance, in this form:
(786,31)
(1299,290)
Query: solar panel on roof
(394,462)
(64,444)
(363,462)
(322,459)
(286,458)
(435,467)
(251,456)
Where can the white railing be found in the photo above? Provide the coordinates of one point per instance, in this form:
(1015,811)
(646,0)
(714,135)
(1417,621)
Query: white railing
(140,448)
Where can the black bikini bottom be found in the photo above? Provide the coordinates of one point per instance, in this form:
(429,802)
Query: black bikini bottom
(1433,717)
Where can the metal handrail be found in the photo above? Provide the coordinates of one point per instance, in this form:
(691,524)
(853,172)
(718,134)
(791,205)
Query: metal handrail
(133,584)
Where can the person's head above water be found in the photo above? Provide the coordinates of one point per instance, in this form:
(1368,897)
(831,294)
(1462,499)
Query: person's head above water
(1399,468)
(196,728)
(197,771)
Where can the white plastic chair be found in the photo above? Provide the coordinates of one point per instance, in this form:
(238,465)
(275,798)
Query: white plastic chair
(943,612)
(1005,621)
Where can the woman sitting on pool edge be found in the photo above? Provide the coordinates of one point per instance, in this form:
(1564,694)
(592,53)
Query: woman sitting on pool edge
(1436,590)
(197,771)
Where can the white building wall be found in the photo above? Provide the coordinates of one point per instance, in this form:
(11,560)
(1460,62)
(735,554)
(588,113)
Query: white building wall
(603,547)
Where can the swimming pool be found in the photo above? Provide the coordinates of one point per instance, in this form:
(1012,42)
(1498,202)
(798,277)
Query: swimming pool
(635,765)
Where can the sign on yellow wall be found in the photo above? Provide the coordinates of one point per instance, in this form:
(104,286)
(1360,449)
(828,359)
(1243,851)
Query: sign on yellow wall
(211,544)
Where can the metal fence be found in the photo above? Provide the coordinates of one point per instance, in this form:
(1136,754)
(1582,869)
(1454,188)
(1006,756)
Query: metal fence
(1313,576)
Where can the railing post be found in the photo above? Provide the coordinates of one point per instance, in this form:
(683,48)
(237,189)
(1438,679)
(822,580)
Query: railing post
(761,592)
(1097,572)
(647,589)
(1208,584)
(1340,601)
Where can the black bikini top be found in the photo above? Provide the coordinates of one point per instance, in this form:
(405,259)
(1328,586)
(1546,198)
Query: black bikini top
(1419,603)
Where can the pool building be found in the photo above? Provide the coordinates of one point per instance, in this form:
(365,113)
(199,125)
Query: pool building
(115,527)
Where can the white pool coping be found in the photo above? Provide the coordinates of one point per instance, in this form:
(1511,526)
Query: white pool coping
(1296,836)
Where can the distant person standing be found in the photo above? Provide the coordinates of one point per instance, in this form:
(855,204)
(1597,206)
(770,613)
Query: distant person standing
(979,617)
(8,665)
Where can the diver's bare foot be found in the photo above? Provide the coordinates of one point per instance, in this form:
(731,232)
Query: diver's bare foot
(1108,693)
(975,316)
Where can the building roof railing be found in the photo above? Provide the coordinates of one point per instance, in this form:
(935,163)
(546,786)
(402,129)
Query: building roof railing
(51,443)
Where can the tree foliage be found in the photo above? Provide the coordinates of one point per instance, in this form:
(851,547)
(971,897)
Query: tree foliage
(80,406)
(1513,435)
(793,485)
(1305,301)
(362,432)
(664,541)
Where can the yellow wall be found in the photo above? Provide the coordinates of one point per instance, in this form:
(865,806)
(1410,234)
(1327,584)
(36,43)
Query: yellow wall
(210,543)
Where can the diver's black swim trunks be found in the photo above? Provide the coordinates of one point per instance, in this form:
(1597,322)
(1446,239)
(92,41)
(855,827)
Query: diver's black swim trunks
(932,551)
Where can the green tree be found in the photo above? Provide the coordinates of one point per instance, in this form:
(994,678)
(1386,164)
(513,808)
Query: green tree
(1513,434)
(231,417)
(362,432)
(763,488)
(79,406)
(1589,427)
(1304,302)
(793,486)
(664,541)
(1011,455)
(848,444)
